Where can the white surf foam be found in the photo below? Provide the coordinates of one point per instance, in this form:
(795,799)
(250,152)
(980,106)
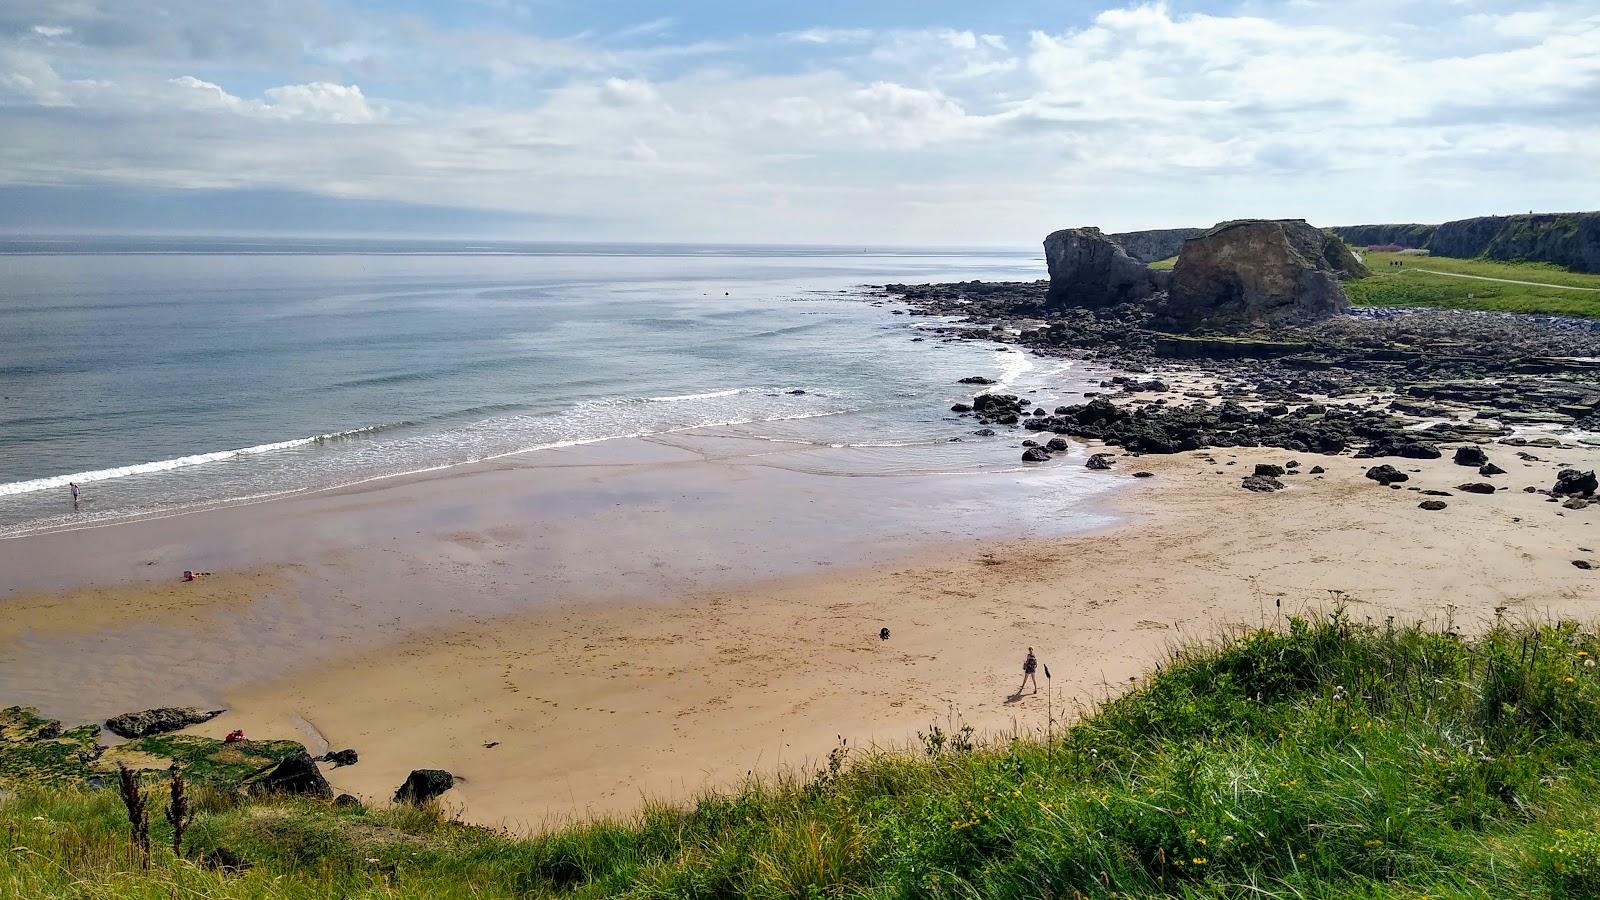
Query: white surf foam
(198,459)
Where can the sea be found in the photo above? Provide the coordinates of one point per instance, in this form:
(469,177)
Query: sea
(169,374)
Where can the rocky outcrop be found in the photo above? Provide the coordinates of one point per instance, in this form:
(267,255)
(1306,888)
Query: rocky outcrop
(159,721)
(1252,272)
(1088,269)
(1566,239)
(1410,236)
(1154,246)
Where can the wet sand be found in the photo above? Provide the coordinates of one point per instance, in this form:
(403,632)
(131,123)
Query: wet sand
(561,676)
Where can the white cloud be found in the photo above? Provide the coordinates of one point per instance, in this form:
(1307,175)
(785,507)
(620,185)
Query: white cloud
(1138,116)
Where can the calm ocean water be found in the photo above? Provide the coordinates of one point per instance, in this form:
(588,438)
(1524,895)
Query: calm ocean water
(169,374)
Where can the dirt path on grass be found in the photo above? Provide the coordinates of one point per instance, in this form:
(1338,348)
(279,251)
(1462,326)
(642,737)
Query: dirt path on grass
(1559,287)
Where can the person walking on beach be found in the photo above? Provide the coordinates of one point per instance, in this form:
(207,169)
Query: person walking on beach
(1029,666)
(74,486)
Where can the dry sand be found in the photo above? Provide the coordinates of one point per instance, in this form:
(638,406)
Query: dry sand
(592,709)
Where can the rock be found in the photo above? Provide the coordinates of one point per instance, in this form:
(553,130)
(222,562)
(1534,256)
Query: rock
(961,407)
(1399,445)
(1088,269)
(975,379)
(1250,272)
(1582,564)
(1144,474)
(159,721)
(1470,456)
(1157,245)
(1432,505)
(341,758)
(1573,483)
(1476,487)
(423,785)
(1488,469)
(1100,461)
(1261,484)
(1035,454)
(984,432)
(1268,470)
(1057,445)
(346,800)
(1387,475)
(298,775)
(1438,493)
(1576,503)
(1317,470)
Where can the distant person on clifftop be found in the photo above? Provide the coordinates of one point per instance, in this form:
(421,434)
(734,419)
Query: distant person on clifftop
(1029,666)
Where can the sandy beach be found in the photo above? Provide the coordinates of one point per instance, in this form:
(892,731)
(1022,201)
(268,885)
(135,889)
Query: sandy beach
(657,675)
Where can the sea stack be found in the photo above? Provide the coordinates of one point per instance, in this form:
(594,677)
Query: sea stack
(1089,269)
(1257,271)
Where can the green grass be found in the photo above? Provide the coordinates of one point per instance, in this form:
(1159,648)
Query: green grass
(1327,760)
(1167,263)
(1407,285)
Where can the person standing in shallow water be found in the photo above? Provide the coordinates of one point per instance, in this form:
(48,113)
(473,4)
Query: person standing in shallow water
(74,486)
(1029,666)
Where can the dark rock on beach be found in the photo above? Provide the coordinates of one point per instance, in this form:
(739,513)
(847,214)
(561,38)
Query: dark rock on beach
(1262,484)
(1035,454)
(1470,456)
(1100,461)
(341,758)
(1387,475)
(159,721)
(1268,470)
(1573,483)
(297,775)
(1476,487)
(1432,505)
(423,785)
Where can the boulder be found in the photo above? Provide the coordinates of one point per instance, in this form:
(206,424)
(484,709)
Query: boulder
(341,758)
(975,379)
(1261,484)
(1035,454)
(1387,475)
(1100,461)
(1252,272)
(1573,483)
(1057,445)
(297,774)
(423,785)
(1488,469)
(1470,456)
(1476,487)
(1089,269)
(1268,470)
(1432,505)
(1399,445)
(159,721)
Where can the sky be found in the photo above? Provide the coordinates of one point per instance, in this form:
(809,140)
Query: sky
(934,123)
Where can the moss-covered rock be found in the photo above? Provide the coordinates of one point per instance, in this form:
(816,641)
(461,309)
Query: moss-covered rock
(35,749)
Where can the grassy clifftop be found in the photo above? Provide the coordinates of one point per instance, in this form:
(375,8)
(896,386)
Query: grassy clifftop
(1329,759)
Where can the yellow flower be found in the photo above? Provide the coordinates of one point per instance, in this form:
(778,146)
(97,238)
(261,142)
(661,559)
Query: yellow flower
(1299,856)
(1569,679)
(1582,653)
(1199,860)
(1200,841)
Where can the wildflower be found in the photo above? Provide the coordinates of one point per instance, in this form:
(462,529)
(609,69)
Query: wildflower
(1201,841)
(1300,855)
(1569,679)
(1199,860)
(1582,653)
(1372,843)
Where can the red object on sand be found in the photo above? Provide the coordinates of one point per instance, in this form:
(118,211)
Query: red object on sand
(234,737)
